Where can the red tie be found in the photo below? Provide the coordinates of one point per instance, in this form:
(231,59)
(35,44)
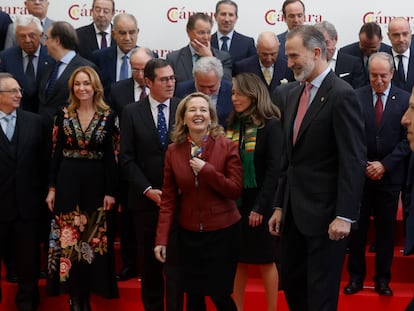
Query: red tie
(104,44)
(379,109)
(302,107)
(143,93)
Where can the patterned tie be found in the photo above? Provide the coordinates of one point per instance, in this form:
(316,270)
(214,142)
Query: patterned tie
(162,124)
(123,74)
(302,108)
(52,80)
(224,46)
(379,109)
(400,69)
(143,93)
(10,127)
(267,76)
(30,75)
(104,44)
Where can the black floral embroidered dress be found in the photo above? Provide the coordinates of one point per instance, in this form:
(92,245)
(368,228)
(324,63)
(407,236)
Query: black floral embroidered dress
(83,170)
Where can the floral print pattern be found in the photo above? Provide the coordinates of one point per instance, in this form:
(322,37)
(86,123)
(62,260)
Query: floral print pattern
(75,237)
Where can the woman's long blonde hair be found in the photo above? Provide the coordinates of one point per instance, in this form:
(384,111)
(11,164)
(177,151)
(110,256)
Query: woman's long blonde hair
(97,102)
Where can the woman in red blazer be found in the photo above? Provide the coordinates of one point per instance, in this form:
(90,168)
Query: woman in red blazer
(202,180)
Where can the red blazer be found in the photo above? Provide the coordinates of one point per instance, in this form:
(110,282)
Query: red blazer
(211,205)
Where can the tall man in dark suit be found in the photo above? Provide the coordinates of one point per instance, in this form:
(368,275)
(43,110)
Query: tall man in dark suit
(23,183)
(123,93)
(26,62)
(226,38)
(346,66)
(62,43)
(387,153)
(294,14)
(370,42)
(97,35)
(273,70)
(113,62)
(208,79)
(199,32)
(142,158)
(35,8)
(399,33)
(323,165)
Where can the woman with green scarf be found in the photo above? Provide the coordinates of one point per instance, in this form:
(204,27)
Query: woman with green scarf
(255,128)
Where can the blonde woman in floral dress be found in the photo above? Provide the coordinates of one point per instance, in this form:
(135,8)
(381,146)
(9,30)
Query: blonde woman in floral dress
(82,182)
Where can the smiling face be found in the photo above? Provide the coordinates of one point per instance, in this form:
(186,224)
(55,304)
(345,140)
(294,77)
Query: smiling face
(10,95)
(408,121)
(380,74)
(197,115)
(82,87)
(301,60)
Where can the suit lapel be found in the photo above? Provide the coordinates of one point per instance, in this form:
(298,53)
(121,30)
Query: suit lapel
(187,61)
(318,102)
(292,103)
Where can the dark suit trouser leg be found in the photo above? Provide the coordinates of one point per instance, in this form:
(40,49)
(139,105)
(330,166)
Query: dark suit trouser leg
(129,244)
(27,264)
(358,240)
(385,212)
(311,269)
(152,279)
(174,288)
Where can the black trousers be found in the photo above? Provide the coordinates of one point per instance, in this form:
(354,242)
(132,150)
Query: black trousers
(23,234)
(157,277)
(382,203)
(311,268)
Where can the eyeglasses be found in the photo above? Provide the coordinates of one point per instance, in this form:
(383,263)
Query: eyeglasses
(13,91)
(164,80)
(136,70)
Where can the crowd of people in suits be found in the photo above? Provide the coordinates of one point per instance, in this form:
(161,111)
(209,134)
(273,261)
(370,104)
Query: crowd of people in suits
(225,154)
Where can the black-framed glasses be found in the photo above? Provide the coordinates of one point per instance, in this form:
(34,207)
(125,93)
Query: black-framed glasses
(135,70)
(13,91)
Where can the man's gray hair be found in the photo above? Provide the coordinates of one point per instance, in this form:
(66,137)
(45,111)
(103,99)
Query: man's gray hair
(207,64)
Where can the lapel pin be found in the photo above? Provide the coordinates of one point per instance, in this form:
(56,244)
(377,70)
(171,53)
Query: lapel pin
(393,97)
(322,99)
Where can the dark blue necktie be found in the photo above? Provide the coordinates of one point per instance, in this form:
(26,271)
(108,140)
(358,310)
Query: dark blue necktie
(52,80)
(123,74)
(162,124)
(224,46)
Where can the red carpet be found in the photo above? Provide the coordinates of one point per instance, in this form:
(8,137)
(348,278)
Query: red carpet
(130,291)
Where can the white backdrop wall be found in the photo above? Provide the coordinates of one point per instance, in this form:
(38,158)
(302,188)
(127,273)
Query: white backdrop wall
(162,22)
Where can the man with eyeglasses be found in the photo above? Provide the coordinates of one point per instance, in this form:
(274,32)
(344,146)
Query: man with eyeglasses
(113,62)
(199,32)
(36,8)
(26,62)
(23,183)
(123,93)
(145,129)
(97,35)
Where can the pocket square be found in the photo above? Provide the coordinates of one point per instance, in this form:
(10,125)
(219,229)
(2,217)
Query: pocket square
(345,74)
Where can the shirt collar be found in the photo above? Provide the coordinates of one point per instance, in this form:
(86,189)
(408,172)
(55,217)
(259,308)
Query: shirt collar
(229,35)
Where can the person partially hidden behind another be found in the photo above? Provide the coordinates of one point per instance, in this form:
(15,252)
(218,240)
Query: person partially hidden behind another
(202,180)
(81,192)
(408,121)
(255,128)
